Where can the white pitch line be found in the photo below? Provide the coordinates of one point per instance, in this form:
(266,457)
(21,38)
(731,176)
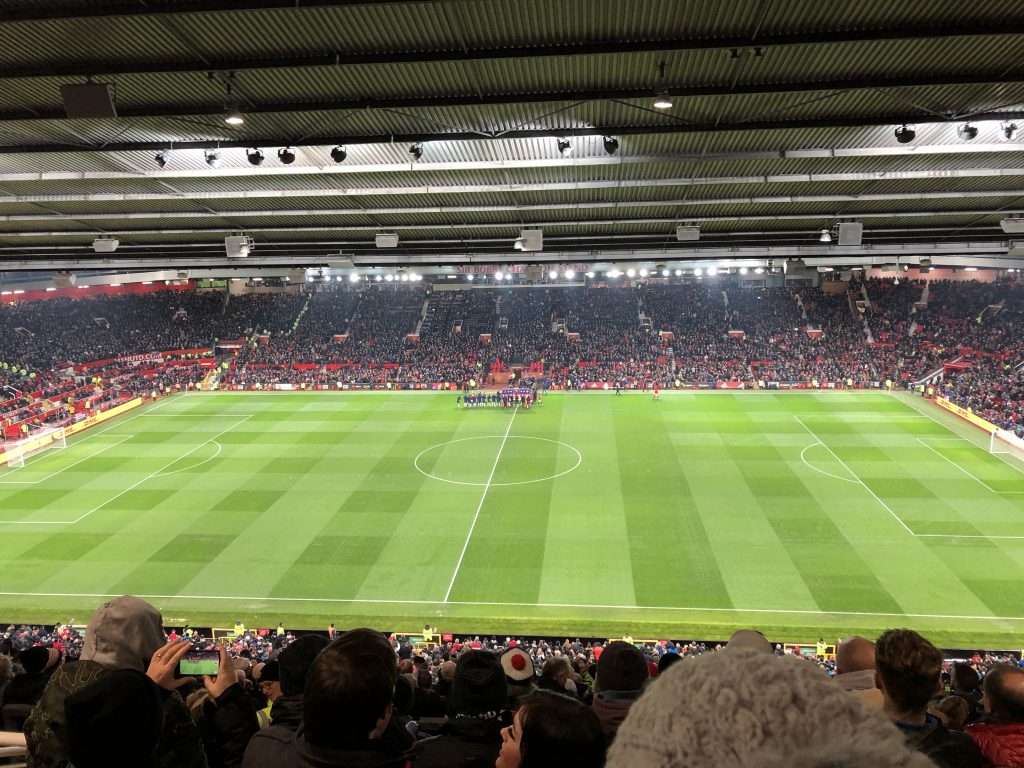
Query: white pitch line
(854,475)
(370,601)
(193,466)
(150,476)
(945,427)
(822,471)
(965,471)
(69,466)
(480,506)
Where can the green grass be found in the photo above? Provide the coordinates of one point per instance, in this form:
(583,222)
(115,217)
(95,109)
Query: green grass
(800,514)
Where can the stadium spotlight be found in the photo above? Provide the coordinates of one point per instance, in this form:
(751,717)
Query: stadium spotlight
(212,157)
(590,275)
(679,273)
(353,278)
(389,278)
(643,273)
(497,275)
(564,147)
(905,134)
(967,132)
(552,275)
(234,117)
(663,100)
(508,275)
(254,156)
(338,154)
(1009,131)
(631,272)
(613,273)
(712,271)
(743,270)
(162,157)
(416,150)
(569,274)
(611,145)
(469,278)
(825,236)
(377,279)
(759,271)
(286,155)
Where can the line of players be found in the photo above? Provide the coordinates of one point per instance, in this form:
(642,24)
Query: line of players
(496,400)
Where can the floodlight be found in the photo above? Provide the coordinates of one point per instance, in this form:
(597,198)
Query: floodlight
(105,244)
(254,156)
(643,273)
(389,278)
(905,134)
(698,271)
(353,278)
(679,273)
(552,275)
(630,272)
(286,155)
(663,100)
(611,145)
(569,274)
(743,270)
(162,157)
(1009,131)
(825,236)
(212,157)
(416,150)
(967,132)
(338,154)
(564,147)
(469,278)
(497,275)
(234,117)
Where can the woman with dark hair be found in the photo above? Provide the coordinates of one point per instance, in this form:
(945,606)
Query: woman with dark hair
(552,731)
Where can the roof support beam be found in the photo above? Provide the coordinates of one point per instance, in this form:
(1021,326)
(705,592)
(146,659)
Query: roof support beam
(625,94)
(340,58)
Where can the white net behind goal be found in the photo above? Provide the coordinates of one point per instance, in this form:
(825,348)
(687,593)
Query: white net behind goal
(16,452)
(1003,442)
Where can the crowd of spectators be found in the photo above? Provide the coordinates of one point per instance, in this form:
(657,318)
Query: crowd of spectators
(410,335)
(360,698)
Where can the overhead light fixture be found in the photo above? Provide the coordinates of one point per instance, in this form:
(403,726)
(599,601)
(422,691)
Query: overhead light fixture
(825,236)
(286,155)
(613,273)
(590,275)
(688,233)
(1012,225)
(698,271)
(498,275)
(905,134)
(254,156)
(386,240)
(759,270)
(508,275)
(552,275)
(338,154)
(630,273)
(712,271)
(353,278)
(162,157)
(664,273)
(212,157)
(743,270)
(611,145)
(663,100)
(105,244)
(564,147)
(967,132)
(643,273)
(679,273)
(569,274)
(234,117)
(231,114)
(469,278)
(416,150)
(389,278)
(1009,131)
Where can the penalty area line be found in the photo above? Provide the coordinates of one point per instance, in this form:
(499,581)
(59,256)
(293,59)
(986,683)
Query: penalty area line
(468,603)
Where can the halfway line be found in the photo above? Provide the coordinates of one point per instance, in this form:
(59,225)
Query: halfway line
(487,487)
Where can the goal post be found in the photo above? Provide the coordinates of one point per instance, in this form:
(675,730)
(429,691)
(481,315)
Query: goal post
(16,452)
(1003,442)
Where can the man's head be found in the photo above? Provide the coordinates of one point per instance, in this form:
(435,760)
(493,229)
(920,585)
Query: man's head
(349,691)
(621,668)
(557,669)
(965,678)
(855,654)
(907,670)
(479,686)
(295,660)
(1004,693)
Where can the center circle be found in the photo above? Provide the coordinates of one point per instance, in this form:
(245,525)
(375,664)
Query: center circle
(465,461)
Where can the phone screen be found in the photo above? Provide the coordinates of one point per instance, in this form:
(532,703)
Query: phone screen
(199,663)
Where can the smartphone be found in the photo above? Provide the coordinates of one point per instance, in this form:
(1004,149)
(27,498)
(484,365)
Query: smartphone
(196,662)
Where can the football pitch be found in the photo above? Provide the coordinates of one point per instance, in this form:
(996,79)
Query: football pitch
(589,514)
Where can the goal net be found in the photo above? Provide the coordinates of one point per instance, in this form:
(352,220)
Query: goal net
(16,452)
(1003,442)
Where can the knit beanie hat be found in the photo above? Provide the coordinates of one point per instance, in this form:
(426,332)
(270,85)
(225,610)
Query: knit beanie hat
(33,660)
(518,666)
(745,710)
(116,720)
(295,660)
(622,668)
(479,685)
(123,633)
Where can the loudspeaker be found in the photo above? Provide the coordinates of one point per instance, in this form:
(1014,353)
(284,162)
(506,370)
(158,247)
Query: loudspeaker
(63,280)
(850,233)
(88,100)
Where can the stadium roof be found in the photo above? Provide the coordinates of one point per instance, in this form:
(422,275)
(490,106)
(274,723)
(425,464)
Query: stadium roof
(783,124)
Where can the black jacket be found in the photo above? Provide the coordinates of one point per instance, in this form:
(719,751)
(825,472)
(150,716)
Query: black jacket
(461,743)
(293,752)
(945,748)
(285,719)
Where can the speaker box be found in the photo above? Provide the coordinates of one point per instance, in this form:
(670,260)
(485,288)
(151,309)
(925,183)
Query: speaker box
(850,233)
(88,100)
